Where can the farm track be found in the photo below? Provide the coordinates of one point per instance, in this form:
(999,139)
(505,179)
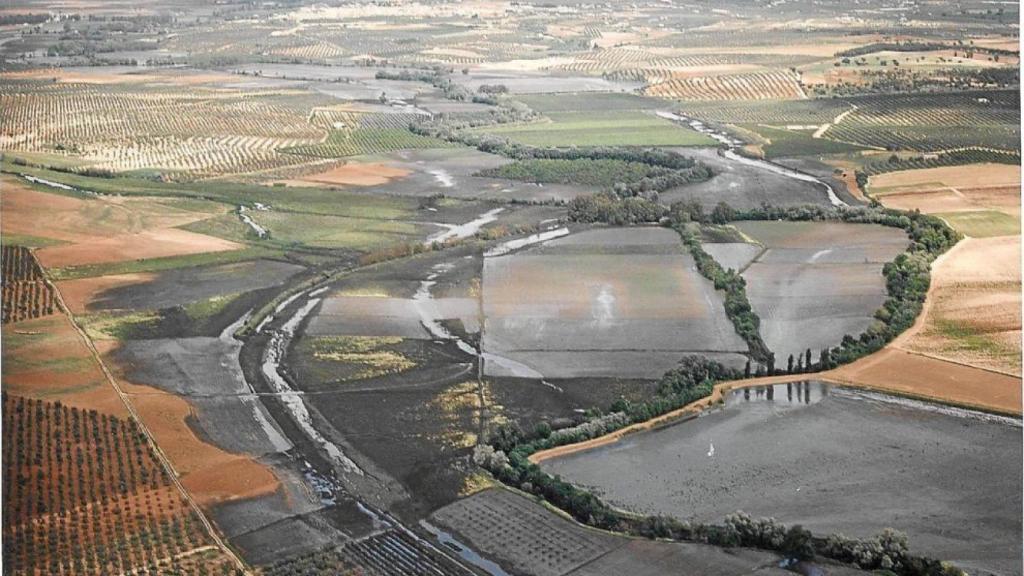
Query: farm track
(164,461)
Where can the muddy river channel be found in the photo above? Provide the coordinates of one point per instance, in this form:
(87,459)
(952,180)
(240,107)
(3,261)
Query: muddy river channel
(835,460)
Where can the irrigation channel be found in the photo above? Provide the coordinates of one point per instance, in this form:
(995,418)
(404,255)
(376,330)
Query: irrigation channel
(274,335)
(730,152)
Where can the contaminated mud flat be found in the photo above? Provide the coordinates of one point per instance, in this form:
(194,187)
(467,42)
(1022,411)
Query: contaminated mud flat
(743,186)
(833,460)
(604,302)
(817,281)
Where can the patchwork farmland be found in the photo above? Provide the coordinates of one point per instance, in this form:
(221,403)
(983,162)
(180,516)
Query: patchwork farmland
(495,289)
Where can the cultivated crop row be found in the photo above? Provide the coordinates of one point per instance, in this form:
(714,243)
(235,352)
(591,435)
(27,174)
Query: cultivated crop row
(340,143)
(792,112)
(197,132)
(81,113)
(26,294)
(930,122)
(389,553)
(957,158)
(194,156)
(84,494)
(781,84)
(640,63)
(17,264)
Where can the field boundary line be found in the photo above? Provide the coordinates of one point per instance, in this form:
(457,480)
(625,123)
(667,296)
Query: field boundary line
(150,439)
(957,362)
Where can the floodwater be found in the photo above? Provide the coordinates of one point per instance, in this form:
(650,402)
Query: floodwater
(466,230)
(835,460)
(730,153)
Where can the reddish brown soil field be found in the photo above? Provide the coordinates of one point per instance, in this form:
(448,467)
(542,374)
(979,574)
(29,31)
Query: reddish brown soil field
(210,474)
(894,370)
(355,174)
(102,230)
(46,358)
(79,293)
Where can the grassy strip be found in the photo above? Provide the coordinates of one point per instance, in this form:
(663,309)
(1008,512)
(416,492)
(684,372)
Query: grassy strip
(162,264)
(298,199)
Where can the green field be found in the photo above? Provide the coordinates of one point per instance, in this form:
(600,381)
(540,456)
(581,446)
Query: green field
(983,223)
(342,143)
(611,129)
(324,231)
(787,143)
(583,171)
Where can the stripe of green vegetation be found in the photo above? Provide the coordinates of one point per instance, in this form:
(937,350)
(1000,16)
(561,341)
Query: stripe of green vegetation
(341,143)
(305,199)
(27,240)
(982,223)
(793,143)
(161,264)
(971,339)
(210,307)
(119,326)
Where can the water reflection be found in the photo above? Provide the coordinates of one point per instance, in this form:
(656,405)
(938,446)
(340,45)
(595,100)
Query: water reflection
(808,392)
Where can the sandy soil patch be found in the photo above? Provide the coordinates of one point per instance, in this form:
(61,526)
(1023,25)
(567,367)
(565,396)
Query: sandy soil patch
(356,174)
(78,294)
(46,359)
(973,316)
(149,244)
(906,373)
(928,201)
(968,176)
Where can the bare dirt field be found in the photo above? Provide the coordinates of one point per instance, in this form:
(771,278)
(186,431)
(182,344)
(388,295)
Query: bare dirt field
(106,229)
(173,287)
(148,244)
(817,281)
(974,316)
(839,470)
(356,174)
(968,176)
(968,198)
(601,291)
(209,473)
(903,372)
(525,537)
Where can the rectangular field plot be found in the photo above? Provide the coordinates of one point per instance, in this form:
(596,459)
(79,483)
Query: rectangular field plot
(567,305)
(526,538)
(377,316)
(623,128)
(817,281)
(982,223)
